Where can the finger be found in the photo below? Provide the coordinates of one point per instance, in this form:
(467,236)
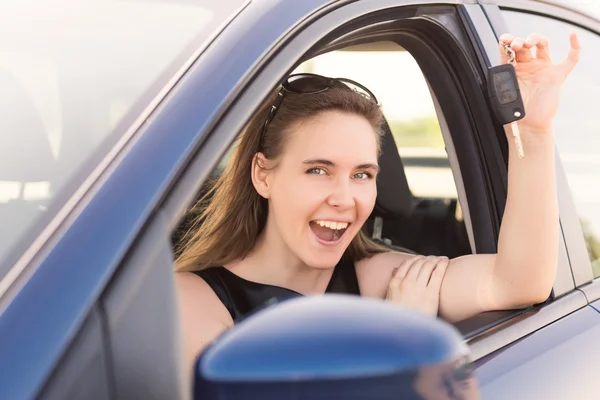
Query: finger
(542,48)
(413,272)
(438,274)
(522,52)
(402,270)
(405,267)
(574,54)
(506,38)
(427,269)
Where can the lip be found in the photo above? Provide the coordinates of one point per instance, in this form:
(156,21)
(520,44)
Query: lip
(332,220)
(329,244)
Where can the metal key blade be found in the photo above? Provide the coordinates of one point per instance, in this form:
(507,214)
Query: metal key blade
(517,137)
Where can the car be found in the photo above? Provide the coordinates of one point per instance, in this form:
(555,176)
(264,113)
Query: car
(115,115)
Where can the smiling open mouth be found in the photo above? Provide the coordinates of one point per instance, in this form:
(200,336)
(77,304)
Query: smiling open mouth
(328,231)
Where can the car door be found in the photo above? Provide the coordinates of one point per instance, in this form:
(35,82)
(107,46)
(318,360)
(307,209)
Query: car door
(546,354)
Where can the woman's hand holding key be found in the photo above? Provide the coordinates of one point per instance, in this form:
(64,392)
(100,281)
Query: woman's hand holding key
(540,80)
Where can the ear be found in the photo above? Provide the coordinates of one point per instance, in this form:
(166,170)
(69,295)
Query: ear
(260,175)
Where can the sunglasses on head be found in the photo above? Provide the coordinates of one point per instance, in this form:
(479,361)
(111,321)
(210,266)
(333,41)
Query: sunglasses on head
(310,84)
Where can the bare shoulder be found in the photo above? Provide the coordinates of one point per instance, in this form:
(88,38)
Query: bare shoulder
(374,273)
(203,316)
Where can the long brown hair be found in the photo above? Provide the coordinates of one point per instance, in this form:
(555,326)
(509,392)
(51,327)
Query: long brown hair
(232,215)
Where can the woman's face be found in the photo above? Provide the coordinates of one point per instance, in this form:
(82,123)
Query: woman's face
(323,188)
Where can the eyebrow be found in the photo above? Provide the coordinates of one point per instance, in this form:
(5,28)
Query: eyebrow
(330,163)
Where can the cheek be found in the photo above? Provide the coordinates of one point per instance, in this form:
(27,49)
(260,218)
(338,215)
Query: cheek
(296,198)
(365,197)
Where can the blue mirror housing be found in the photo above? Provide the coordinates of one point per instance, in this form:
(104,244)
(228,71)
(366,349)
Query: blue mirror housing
(336,347)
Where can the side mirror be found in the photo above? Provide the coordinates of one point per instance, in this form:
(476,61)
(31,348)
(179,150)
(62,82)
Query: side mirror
(336,347)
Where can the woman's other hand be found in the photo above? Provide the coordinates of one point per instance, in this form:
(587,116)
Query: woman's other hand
(416,283)
(540,80)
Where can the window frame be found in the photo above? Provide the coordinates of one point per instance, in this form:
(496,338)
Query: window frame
(261,85)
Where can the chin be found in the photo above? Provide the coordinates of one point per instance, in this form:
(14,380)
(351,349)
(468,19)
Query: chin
(323,259)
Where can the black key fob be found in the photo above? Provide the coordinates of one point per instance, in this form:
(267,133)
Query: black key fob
(504,94)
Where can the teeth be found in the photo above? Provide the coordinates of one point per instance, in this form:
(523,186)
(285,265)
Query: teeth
(333,225)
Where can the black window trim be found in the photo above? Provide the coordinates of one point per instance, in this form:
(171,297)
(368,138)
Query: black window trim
(217,142)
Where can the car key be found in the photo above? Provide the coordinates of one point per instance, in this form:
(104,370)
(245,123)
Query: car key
(505,96)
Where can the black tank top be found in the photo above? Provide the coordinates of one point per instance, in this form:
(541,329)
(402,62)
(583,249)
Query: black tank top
(242,297)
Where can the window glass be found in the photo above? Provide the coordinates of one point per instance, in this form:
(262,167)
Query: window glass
(71,73)
(577,123)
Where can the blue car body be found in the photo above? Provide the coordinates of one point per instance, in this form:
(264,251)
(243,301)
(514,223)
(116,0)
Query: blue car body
(60,278)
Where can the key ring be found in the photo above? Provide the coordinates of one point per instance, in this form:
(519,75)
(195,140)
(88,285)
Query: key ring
(510,53)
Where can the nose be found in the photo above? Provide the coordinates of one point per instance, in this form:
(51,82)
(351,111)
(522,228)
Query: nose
(342,196)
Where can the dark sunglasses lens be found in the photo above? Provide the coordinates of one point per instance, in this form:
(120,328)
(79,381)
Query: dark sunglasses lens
(306,84)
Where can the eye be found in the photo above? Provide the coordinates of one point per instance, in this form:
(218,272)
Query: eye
(363,176)
(316,171)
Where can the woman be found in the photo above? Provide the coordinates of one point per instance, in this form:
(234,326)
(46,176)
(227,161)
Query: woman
(285,216)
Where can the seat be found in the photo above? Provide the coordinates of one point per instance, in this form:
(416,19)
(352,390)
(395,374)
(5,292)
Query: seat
(404,222)
(395,202)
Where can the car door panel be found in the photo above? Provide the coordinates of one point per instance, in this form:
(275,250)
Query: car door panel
(547,364)
(596,305)
(592,292)
(82,373)
(142,322)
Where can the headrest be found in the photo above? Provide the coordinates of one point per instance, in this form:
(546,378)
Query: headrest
(394,198)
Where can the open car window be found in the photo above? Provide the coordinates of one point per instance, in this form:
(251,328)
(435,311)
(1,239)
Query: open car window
(416,171)
(435,224)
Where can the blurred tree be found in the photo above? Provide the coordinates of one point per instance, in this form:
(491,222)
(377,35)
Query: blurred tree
(593,245)
(419,132)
